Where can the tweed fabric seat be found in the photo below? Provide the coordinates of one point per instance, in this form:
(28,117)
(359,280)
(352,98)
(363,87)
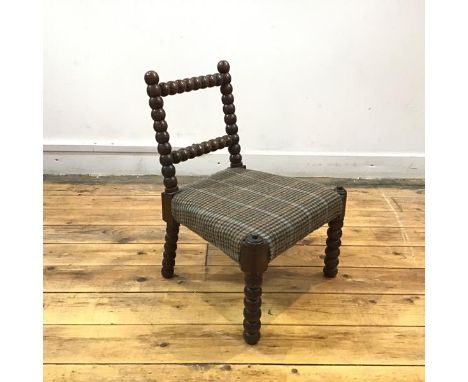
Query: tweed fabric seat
(227,206)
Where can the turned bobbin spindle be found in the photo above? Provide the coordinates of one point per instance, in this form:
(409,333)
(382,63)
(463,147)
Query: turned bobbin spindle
(334,233)
(155,92)
(254,258)
(229,112)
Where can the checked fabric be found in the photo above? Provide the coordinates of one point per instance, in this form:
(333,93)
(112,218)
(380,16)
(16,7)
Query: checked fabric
(228,205)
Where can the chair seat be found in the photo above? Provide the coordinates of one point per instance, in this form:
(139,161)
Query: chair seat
(228,205)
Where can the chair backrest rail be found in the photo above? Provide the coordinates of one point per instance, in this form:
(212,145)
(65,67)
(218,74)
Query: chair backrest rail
(198,149)
(191,84)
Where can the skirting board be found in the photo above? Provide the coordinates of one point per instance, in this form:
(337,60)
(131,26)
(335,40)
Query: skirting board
(142,160)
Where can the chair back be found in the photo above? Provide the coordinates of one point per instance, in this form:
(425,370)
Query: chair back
(167,157)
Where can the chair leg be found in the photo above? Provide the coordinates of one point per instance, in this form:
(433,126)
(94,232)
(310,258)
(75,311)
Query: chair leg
(252,311)
(334,232)
(332,252)
(170,247)
(254,259)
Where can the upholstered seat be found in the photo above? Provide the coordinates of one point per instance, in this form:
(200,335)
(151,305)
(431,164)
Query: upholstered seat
(226,207)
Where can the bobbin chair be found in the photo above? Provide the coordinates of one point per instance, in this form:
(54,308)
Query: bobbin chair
(251,216)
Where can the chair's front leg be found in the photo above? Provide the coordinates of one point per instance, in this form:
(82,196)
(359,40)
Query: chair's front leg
(170,247)
(334,232)
(254,259)
(252,311)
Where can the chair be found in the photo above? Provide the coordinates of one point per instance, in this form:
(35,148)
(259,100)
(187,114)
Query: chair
(251,216)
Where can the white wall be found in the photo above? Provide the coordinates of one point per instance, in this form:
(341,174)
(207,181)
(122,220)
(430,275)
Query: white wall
(323,87)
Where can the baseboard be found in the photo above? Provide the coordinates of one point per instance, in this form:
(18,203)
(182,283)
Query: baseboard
(142,160)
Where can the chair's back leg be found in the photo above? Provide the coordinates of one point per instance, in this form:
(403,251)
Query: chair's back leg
(254,259)
(170,247)
(334,232)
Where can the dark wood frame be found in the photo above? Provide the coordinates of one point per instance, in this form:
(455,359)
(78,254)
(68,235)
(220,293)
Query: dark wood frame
(254,253)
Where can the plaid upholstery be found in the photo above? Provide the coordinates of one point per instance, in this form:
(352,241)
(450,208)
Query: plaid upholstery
(227,206)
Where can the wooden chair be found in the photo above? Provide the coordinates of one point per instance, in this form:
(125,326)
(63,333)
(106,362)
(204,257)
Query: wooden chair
(251,216)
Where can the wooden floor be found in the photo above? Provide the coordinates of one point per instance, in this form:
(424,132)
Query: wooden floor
(110,316)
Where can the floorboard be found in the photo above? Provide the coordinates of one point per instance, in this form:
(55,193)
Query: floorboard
(110,316)
(228,373)
(361,236)
(146,278)
(223,308)
(147,217)
(318,345)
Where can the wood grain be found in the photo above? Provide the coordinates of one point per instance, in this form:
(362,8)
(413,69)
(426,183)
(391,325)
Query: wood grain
(141,216)
(226,308)
(114,189)
(351,256)
(228,279)
(120,254)
(114,234)
(132,202)
(110,316)
(344,345)
(362,236)
(137,189)
(153,202)
(227,372)
(194,254)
